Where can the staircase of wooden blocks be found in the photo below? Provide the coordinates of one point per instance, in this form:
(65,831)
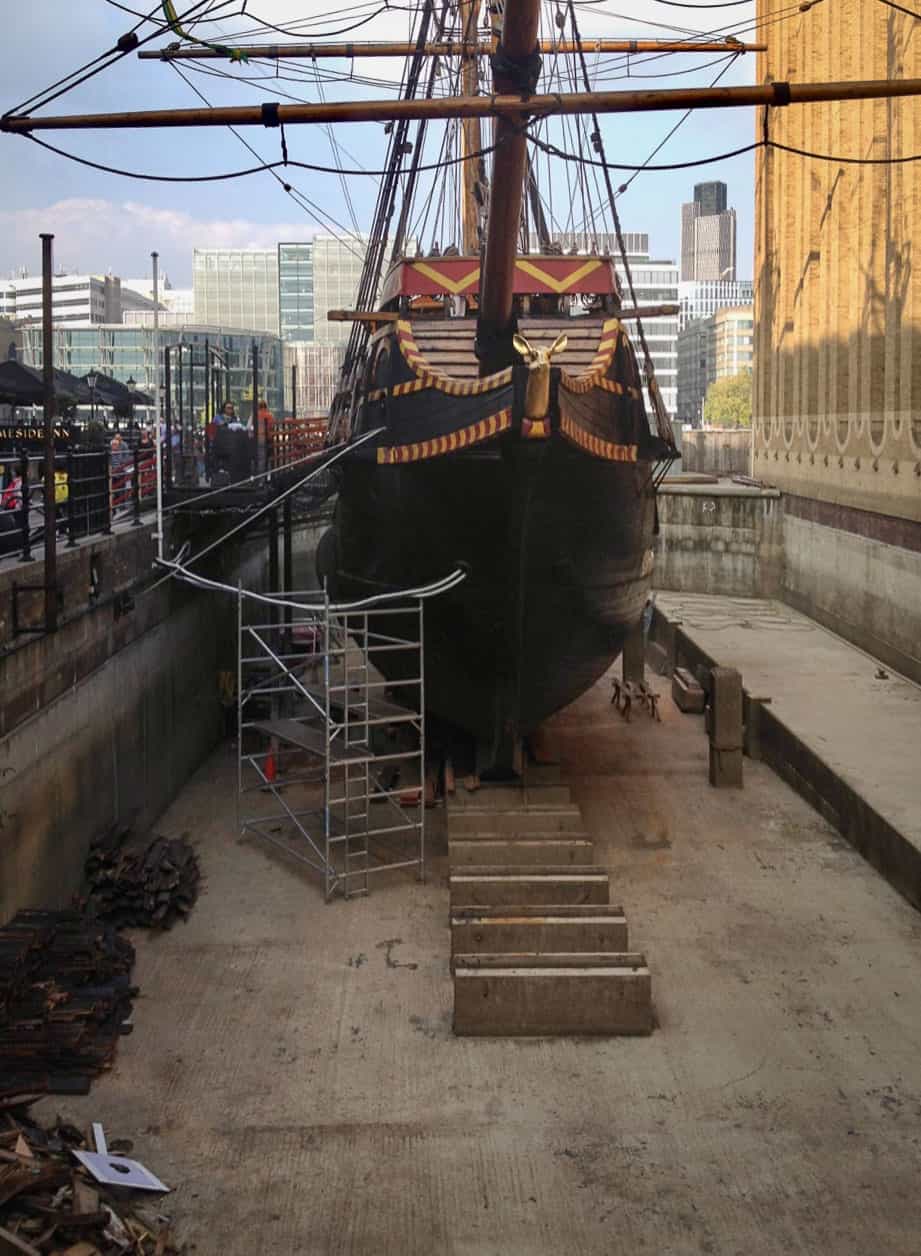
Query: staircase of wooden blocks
(536,945)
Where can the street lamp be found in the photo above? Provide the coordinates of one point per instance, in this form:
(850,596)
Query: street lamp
(131,383)
(91,379)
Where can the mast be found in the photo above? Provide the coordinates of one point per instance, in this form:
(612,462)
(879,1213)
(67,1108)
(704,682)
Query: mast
(471,135)
(516,67)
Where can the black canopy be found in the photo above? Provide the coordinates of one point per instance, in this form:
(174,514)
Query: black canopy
(110,392)
(22,385)
(139,398)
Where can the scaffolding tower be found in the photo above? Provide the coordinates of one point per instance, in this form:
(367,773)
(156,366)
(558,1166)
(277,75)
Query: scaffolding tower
(331,756)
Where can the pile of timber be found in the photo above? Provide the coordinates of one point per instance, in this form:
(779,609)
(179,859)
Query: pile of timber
(50,1204)
(65,999)
(148,882)
(537,947)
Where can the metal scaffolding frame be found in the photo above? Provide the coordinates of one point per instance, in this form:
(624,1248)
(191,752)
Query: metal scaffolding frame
(324,742)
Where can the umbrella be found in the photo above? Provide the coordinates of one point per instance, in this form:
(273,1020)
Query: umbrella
(72,386)
(139,398)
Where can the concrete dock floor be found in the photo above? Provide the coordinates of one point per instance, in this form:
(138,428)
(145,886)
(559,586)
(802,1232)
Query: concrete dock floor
(293,1073)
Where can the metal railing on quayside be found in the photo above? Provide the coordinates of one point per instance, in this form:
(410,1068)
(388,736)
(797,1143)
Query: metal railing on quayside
(331,756)
(94,489)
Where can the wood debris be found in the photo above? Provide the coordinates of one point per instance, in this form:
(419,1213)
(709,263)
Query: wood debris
(142,882)
(65,999)
(50,1205)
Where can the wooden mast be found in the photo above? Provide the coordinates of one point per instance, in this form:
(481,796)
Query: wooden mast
(508,108)
(471,135)
(438,48)
(512,72)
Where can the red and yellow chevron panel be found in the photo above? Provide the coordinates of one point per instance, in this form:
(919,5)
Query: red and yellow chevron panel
(611,332)
(595,445)
(460,276)
(449,444)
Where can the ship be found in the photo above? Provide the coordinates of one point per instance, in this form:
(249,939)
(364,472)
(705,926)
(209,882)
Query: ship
(502,391)
(513,442)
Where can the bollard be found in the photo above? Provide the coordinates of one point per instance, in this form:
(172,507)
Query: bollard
(724,725)
(71,504)
(25,496)
(106,528)
(136,489)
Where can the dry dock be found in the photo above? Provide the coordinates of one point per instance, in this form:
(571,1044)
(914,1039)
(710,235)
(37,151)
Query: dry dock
(293,1073)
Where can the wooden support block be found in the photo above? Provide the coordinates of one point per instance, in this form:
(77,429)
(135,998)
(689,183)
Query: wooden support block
(543,995)
(488,886)
(532,821)
(571,930)
(752,733)
(633,659)
(725,727)
(687,694)
(520,850)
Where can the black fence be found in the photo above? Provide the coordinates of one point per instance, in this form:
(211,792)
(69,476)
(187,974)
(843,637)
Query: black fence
(93,490)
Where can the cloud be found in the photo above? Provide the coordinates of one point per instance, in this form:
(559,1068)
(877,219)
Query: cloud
(96,236)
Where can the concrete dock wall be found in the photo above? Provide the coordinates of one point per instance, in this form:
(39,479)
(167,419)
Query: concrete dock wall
(864,589)
(717,450)
(719,539)
(105,721)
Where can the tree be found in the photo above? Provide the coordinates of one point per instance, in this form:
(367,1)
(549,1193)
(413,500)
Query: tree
(729,401)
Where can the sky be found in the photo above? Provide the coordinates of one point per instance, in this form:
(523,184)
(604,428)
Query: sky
(104,222)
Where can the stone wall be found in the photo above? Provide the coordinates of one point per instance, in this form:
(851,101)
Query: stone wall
(717,450)
(719,539)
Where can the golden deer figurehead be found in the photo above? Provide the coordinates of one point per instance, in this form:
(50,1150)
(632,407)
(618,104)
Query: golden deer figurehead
(537,394)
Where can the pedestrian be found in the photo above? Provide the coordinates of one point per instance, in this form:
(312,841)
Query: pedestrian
(12,494)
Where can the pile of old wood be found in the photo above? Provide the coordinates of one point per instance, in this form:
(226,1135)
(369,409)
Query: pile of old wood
(65,999)
(537,946)
(146,882)
(49,1203)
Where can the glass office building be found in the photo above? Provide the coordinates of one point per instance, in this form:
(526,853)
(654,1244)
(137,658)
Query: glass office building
(236,288)
(295,291)
(127,352)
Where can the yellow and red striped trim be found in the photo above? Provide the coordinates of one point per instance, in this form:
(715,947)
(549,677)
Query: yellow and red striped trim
(611,332)
(434,378)
(595,445)
(438,445)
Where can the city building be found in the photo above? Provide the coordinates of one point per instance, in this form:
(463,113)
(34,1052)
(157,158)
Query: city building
(708,235)
(128,352)
(78,300)
(311,375)
(701,298)
(295,291)
(236,288)
(837,382)
(709,349)
(656,283)
(171,300)
(337,265)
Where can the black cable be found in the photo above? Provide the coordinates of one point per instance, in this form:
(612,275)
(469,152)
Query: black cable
(112,56)
(898,7)
(677,4)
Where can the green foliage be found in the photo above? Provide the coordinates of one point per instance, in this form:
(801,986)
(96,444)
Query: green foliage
(729,401)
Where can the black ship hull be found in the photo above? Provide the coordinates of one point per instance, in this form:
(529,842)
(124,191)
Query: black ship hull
(556,540)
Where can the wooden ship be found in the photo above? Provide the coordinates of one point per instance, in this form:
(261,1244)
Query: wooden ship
(498,374)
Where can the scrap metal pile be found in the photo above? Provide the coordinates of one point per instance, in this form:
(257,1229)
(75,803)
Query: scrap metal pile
(65,999)
(142,882)
(51,1202)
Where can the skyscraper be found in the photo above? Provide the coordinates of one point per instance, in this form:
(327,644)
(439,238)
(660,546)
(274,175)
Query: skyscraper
(708,235)
(711,197)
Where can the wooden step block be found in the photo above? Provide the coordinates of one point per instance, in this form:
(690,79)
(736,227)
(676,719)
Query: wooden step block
(535,930)
(543,774)
(532,822)
(513,797)
(479,886)
(559,850)
(552,994)
(687,694)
